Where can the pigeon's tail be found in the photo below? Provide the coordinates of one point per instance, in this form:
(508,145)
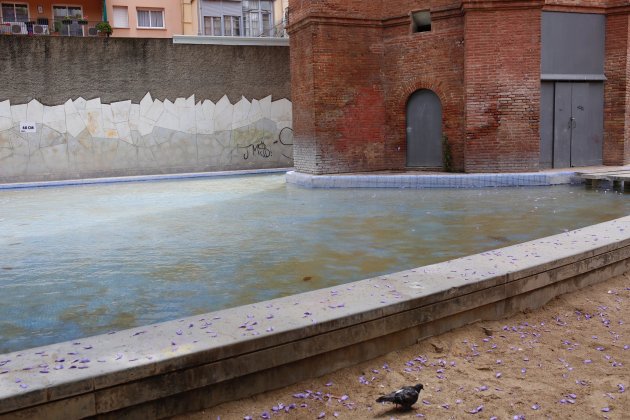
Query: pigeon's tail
(385,398)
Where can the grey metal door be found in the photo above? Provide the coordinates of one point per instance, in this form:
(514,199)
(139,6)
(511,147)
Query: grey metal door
(562,124)
(424,130)
(578,124)
(587,113)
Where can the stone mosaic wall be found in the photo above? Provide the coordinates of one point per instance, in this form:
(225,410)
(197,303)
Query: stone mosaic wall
(87,138)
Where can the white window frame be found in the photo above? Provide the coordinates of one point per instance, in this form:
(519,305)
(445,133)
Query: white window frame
(115,23)
(150,10)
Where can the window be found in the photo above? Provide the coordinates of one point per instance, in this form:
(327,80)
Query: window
(60,13)
(150,18)
(14,12)
(421,21)
(121,17)
(258,17)
(212,25)
(232,25)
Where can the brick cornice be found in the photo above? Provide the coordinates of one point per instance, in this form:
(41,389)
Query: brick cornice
(619,10)
(335,21)
(491,5)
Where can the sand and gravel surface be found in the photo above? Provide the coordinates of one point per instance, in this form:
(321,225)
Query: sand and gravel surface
(567,360)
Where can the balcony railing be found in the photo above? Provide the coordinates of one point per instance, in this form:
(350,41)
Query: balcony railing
(45,26)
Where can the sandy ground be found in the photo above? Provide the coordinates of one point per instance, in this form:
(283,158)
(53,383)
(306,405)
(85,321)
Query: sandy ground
(567,360)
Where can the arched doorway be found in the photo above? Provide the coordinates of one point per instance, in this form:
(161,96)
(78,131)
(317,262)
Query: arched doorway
(424,130)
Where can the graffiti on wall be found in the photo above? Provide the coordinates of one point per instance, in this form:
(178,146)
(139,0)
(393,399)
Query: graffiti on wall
(83,138)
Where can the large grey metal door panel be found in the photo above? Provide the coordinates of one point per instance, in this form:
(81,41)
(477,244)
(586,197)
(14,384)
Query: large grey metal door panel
(562,126)
(546,124)
(424,129)
(588,123)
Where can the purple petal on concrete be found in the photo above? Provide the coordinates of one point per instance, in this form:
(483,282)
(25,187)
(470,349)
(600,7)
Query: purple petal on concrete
(23,386)
(179,332)
(60,360)
(44,371)
(87,347)
(2,372)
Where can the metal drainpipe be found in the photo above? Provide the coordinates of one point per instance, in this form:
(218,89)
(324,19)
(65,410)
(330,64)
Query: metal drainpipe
(199,17)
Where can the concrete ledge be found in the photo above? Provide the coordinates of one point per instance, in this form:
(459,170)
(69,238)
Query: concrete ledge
(169,368)
(231,40)
(423,180)
(138,178)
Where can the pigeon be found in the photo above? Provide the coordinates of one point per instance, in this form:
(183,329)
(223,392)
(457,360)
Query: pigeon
(405,396)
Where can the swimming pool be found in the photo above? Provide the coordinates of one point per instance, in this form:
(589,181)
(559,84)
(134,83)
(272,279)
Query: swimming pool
(83,260)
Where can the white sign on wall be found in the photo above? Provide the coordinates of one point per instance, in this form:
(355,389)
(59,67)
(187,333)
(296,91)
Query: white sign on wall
(28,127)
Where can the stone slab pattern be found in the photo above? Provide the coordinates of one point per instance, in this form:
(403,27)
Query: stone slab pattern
(83,138)
(162,369)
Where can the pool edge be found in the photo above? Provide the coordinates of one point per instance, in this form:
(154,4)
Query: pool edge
(173,367)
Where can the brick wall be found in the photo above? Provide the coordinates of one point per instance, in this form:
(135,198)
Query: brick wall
(617,90)
(482,58)
(502,78)
(426,60)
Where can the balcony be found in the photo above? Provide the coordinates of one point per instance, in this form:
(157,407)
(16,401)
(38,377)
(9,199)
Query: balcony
(74,26)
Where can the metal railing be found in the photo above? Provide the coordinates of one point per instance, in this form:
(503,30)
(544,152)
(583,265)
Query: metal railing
(45,26)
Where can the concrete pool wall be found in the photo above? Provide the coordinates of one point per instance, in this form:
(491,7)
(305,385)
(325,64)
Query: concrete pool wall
(169,368)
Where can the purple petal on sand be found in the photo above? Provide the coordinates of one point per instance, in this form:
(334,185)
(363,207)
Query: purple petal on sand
(483,388)
(498,374)
(248,418)
(621,388)
(329,384)
(535,407)
(587,361)
(572,396)
(265,415)
(343,398)
(321,415)
(606,409)
(476,410)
